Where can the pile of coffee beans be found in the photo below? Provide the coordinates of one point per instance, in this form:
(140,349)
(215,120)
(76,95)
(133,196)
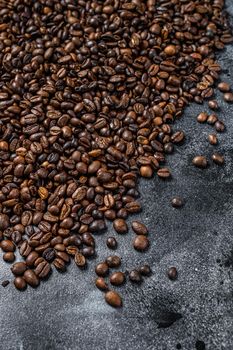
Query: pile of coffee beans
(89,90)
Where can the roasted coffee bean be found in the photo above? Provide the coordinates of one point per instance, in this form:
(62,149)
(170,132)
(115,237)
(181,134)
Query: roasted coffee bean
(42,269)
(146,171)
(219,126)
(164,173)
(4,221)
(120,226)
(113,261)
(202,117)
(7,246)
(172,273)
(101,269)
(31,278)
(177,202)
(213,104)
(111,243)
(19,268)
(20,283)
(135,276)
(212,119)
(113,298)
(101,284)
(80,259)
(212,138)
(5,283)
(224,87)
(141,243)
(200,162)
(49,254)
(59,264)
(218,158)
(145,270)
(9,257)
(139,228)
(31,258)
(228,97)
(117,278)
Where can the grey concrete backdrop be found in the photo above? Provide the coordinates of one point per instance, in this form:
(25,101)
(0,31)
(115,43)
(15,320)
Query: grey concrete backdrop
(68,312)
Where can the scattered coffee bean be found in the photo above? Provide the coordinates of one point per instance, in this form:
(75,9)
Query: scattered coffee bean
(102,269)
(218,158)
(101,284)
(228,97)
(113,298)
(9,257)
(224,87)
(219,126)
(117,278)
(212,119)
(113,261)
(212,138)
(200,162)
(141,242)
(31,278)
(135,276)
(139,228)
(79,259)
(111,243)
(202,117)
(19,268)
(177,202)
(172,273)
(213,104)
(20,283)
(145,270)
(120,226)
(7,246)
(164,173)
(5,283)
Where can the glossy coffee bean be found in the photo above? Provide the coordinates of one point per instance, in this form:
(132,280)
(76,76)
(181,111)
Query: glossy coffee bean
(20,283)
(200,162)
(177,202)
(111,243)
(139,228)
(141,243)
(113,298)
(102,269)
(172,273)
(135,276)
(117,278)
(120,226)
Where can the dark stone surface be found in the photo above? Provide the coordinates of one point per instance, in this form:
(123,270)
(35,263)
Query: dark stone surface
(68,312)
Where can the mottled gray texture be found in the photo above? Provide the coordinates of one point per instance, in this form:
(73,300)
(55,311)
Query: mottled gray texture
(68,312)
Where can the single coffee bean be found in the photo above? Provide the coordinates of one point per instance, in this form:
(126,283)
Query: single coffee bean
(80,259)
(202,117)
(172,273)
(146,171)
(31,278)
(113,298)
(139,228)
(59,264)
(213,104)
(4,222)
(113,261)
(212,138)
(19,268)
(164,173)
(228,97)
(135,276)
(218,158)
(20,283)
(111,243)
(177,202)
(200,162)
(212,119)
(120,226)
(219,126)
(7,246)
(141,243)
(101,284)
(102,269)
(5,283)
(224,87)
(145,270)
(9,257)
(31,258)
(117,278)
(42,269)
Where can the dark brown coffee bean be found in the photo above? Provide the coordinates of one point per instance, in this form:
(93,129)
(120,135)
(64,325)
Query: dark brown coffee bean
(141,242)
(113,261)
(219,126)
(19,268)
(200,162)
(164,173)
(113,298)
(139,228)
(31,278)
(212,138)
(80,259)
(120,226)
(4,222)
(228,97)
(172,273)
(177,137)
(202,117)
(111,243)
(9,257)
(177,202)
(117,278)
(7,246)
(5,283)
(59,264)
(145,270)
(218,158)
(31,258)
(42,269)
(224,87)
(20,283)
(101,269)
(101,284)
(213,104)
(135,276)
